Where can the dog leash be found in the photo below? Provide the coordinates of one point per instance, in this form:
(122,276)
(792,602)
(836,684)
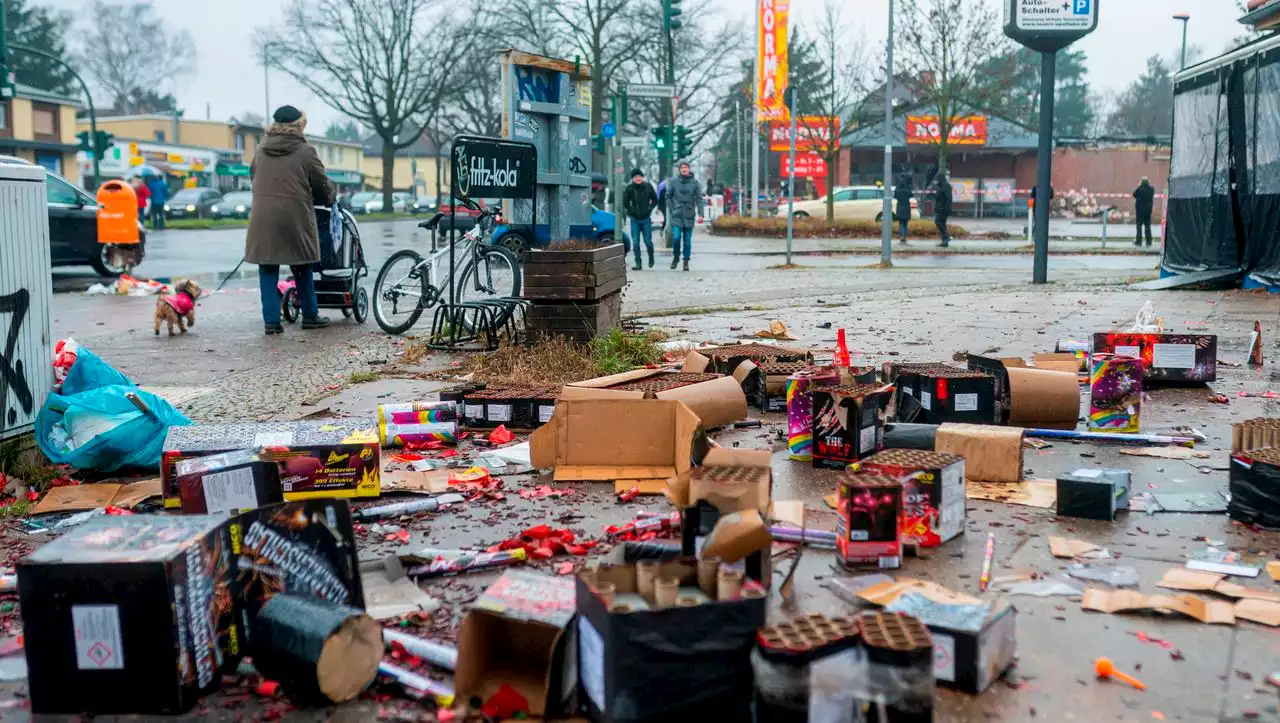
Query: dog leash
(227,278)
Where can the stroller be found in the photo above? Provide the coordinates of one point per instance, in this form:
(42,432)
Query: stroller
(342,267)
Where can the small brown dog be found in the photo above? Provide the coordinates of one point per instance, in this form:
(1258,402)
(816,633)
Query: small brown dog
(180,308)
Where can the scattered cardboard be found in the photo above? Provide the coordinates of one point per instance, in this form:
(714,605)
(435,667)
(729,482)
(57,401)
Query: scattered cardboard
(1166,452)
(737,535)
(427,482)
(1070,549)
(1258,611)
(1044,399)
(647,486)
(788,512)
(1214,612)
(991,454)
(1057,362)
(695,363)
(80,498)
(388,593)
(885,593)
(716,402)
(1038,493)
(832,500)
(1180,578)
(642,441)
(777,330)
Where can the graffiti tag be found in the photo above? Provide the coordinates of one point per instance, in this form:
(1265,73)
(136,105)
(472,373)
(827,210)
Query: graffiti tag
(12,375)
(576,165)
(535,87)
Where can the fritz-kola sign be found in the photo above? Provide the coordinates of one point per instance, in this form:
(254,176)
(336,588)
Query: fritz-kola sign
(493,168)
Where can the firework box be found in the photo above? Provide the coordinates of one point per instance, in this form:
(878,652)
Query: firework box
(1255,488)
(325,458)
(848,423)
(933,492)
(520,633)
(946,394)
(717,402)
(728,482)
(674,663)
(1115,393)
(1093,494)
(129,614)
(1165,357)
(869,521)
(228,483)
(973,644)
(639,443)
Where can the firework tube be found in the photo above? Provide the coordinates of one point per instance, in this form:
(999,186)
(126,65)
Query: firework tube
(417,412)
(988,558)
(453,562)
(402,435)
(1111,437)
(800,410)
(412,507)
(648,524)
(817,538)
(439,655)
(418,686)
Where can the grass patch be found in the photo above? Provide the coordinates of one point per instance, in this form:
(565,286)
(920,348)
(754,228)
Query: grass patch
(818,228)
(414,351)
(618,352)
(553,361)
(17,508)
(363,377)
(205,224)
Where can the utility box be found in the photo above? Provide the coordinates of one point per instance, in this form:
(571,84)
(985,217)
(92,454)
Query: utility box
(26,288)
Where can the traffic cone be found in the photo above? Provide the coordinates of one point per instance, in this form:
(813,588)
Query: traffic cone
(1255,346)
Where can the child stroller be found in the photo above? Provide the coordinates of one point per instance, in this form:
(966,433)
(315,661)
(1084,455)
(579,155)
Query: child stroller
(341,269)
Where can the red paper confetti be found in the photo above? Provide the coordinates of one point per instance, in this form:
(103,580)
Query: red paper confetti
(501,435)
(629,495)
(267,688)
(564,568)
(505,703)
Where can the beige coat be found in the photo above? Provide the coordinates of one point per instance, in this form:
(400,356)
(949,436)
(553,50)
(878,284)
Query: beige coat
(288,182)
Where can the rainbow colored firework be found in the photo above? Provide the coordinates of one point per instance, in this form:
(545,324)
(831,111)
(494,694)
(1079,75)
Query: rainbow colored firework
(800,409)
(1115,393)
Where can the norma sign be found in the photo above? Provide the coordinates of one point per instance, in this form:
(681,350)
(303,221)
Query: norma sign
(813,133)
(965,130)
(493,168)
(771,59)
(809,165)
(1049,25)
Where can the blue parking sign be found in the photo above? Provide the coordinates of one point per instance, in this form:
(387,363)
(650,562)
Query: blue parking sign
(1082,7)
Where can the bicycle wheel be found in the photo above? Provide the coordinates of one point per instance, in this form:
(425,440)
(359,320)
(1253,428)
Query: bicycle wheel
(493,273)
(401,292)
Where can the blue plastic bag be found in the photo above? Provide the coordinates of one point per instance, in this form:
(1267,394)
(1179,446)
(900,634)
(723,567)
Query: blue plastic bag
(104,430)
(90,372)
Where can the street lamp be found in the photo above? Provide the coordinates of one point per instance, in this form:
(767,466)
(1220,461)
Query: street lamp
(886,229)
(1184,17)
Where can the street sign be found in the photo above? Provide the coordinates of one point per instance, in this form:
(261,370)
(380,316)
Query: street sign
(651,90)
(1049,25)
(608,130)
(632,141)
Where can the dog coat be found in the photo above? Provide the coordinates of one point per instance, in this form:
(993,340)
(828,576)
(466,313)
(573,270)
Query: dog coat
(181,303)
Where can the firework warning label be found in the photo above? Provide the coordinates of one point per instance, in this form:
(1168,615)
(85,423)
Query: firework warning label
(97,629)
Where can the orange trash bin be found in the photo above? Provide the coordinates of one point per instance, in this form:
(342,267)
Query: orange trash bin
(117,213)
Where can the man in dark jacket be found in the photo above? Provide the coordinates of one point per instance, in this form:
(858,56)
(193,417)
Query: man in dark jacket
(1144,198)
(288,182)
(902,196)
(684,200)
(942,208)
(159,188)
(638,200)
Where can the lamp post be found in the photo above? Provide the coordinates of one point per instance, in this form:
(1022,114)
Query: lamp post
(1185,18)
(886,231)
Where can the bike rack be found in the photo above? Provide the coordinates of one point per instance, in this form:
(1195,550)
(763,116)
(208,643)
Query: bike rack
(476,325)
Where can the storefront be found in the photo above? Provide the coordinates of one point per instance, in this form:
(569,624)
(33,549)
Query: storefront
(345,181)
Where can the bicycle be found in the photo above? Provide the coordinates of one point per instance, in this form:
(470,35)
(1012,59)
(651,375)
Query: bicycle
(488,272)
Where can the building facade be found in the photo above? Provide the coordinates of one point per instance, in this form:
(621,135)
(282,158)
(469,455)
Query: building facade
(420,169)
(40,127)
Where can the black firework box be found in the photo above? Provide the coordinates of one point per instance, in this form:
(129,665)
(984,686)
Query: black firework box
(933,492)
(228,483)
(1255,488)
(940,393)
(323,458)
(129,614)
(848,423)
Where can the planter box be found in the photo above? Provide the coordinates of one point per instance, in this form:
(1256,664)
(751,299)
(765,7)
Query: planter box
(578,321)
(574,275)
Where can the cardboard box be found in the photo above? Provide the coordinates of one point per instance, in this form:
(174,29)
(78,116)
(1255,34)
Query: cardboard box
(1165,357)
(969,658)
(631,442)
(228,483)
(519,633)
(717,401)
(848,423)
(677,664)
(323,458)
(943,394)
(737,535)
(1093,494)
(991,454)
(127,615)
(869,521)
(933,494)
(729,482)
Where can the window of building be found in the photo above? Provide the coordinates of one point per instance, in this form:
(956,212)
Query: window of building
(44,121)
(4,116)
(239,141)
(159,135)
(341,151)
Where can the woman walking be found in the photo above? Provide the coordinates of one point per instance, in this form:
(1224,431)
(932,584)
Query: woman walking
(288,182)
(902,195)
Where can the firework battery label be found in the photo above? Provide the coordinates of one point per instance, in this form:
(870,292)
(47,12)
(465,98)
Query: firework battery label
(97,629)
(545,411)
(867,438)
(473,411)
(926,400)
(869,523)
(966,402)
(1173,356)
(199,623)
(230,492)
(498,412)
(1133,351)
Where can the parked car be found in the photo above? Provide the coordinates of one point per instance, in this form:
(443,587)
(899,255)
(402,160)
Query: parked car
(852,203)
(73,225)
(192,203)
(463,218)
(518,240)
(422,204)
(233,205)
(371,202)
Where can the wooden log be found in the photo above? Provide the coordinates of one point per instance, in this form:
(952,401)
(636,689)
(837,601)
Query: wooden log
(560,280)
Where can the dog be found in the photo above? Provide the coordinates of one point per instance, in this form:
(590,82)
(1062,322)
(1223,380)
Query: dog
(178,308)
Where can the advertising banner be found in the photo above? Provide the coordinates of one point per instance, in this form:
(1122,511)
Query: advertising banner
(813,133)
(808,165)
(965,130)
(771,60)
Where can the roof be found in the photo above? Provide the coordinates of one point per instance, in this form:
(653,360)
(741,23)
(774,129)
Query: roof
(1262,44)
(26,91)
(1002,133)
(1261,11)
(423,147)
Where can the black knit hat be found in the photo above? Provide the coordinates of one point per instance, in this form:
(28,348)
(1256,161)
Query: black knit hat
(286,114)
(637,172)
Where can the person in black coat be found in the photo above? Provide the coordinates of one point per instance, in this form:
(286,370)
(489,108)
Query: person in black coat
(902,196)
(1144,198)
(942,207)
(638,200)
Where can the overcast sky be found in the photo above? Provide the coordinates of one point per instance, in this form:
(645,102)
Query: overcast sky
(228,81)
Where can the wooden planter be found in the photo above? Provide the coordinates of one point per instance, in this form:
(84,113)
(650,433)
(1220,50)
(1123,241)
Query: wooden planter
(574,275)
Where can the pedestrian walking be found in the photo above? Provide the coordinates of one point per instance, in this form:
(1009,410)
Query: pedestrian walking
(159,189)
(902,195)
(144,195)
(638,200)
(1144,198)
(288,182)
(684,201)
(942,207)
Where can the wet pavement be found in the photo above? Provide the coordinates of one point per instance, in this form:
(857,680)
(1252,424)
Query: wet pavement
(226,369)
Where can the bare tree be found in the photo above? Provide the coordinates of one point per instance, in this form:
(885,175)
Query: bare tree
(844,82)
(133,72)
(947,45)
(475,106)
(386,65)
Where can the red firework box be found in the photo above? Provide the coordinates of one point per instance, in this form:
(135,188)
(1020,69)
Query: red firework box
(317,459)
(1166,357)
(869,520)
(933,492)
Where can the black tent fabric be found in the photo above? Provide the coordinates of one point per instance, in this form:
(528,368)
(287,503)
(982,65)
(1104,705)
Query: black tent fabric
(1260,185)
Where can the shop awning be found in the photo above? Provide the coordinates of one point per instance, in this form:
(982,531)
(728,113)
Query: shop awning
(347,177)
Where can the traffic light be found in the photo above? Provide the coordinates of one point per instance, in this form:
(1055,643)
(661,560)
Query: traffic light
(85,144)
(683,144)
(104,140)
(598,143)
(670,14)
(662,138)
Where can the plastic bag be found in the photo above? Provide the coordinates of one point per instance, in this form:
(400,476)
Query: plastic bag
(88,371)
(1146,321)
(1113,575)
(103,429)
(65,353)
